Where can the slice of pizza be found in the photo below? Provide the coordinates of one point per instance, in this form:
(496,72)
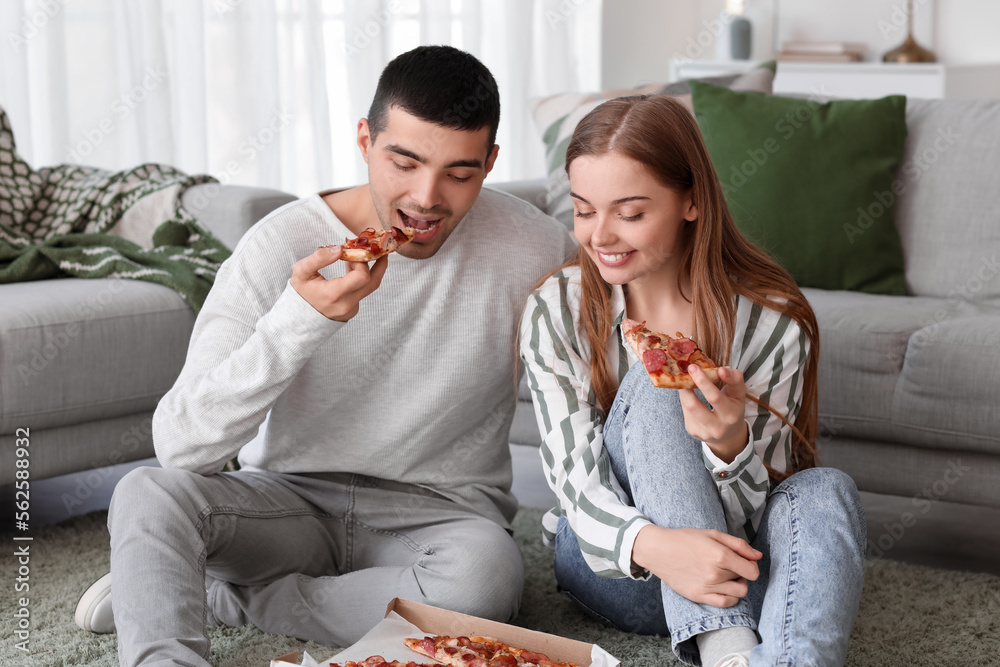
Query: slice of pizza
(480,652)
(666,358)
(509,656)
(372,244)
(457,651)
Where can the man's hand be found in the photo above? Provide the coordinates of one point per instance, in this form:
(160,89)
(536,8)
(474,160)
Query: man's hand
(337,298)
(705,566)
(723,428)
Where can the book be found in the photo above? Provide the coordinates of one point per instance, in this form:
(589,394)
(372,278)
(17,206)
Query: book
(799,56)
(802,46)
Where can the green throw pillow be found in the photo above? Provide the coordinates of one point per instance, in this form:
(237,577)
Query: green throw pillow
(812,183)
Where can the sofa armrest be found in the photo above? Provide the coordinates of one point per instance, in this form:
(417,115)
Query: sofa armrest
(228,211)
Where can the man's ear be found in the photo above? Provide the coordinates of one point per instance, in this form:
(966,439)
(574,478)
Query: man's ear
(492,158)
(364,138)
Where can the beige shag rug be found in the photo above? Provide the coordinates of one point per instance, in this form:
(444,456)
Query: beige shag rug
(910,615)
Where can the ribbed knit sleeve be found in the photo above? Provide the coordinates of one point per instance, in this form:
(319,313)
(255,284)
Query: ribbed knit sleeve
(245,349)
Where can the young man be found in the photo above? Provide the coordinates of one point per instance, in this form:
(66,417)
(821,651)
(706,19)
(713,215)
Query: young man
(386,395)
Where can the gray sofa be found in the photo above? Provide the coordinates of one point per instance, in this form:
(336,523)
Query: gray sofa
(83,363)
(909,386)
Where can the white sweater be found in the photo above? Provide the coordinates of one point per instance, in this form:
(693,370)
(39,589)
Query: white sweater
(417,388)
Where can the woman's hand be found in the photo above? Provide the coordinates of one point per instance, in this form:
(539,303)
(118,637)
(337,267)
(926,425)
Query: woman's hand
(705,566)
(723,428)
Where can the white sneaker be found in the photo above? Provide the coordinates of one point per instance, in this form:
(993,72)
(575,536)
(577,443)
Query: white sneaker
(734,660)
(93,611)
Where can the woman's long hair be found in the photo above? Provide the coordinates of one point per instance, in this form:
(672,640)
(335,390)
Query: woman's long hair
(661,134)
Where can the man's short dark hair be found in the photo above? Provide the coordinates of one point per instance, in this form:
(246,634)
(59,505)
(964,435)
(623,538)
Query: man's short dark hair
(438,84)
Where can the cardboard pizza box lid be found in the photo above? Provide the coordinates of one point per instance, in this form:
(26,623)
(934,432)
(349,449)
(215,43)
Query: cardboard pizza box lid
(436,621)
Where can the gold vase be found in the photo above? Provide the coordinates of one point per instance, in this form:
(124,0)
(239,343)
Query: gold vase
(909,51)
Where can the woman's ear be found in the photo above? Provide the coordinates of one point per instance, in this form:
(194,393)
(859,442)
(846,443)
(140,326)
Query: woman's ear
(690,209)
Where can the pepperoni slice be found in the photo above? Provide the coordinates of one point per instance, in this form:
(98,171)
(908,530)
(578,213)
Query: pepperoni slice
(528,656)
(654,359)
(364,238)
(681,348)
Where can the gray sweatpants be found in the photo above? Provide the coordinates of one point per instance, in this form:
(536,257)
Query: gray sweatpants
(316,557)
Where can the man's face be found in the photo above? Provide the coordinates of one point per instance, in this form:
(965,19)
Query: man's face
(424,176)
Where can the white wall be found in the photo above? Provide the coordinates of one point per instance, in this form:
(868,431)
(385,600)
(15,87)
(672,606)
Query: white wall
(641,36)
(968,31)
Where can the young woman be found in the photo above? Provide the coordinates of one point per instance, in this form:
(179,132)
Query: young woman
(701,517)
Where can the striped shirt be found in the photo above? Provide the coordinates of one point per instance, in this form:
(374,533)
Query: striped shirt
(769,347)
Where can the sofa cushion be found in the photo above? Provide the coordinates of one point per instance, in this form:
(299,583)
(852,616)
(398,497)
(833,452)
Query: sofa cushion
(93,444)
(801,179)
(863,341)
(75,350)
(557,116)
(948,394)
(949,212)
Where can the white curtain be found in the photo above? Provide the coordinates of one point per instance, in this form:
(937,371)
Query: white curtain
(265,92)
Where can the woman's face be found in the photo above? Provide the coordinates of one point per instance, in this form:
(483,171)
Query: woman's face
(627,221)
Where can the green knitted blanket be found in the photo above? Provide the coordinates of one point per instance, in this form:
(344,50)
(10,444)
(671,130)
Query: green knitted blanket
(78,221)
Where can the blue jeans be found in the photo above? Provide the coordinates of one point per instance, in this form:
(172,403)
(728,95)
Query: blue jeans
(812,536)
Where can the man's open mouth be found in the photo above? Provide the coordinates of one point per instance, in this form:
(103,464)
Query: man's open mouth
(426,226)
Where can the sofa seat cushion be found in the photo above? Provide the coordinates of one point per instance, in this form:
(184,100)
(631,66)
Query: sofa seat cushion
(948,394)
(863,341)
(75,350)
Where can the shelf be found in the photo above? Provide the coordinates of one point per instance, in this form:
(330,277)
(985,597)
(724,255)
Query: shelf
(862,80)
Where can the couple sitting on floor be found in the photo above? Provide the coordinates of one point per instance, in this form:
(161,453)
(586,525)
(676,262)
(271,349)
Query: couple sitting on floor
(383,470)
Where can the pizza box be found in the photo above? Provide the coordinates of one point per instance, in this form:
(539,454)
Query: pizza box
(404,618)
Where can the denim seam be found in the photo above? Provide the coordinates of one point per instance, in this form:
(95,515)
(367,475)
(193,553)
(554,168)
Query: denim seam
(349,525)
(784,657)
(411,544)
(632,477)
(202,558)
(686,632)
(274,514)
